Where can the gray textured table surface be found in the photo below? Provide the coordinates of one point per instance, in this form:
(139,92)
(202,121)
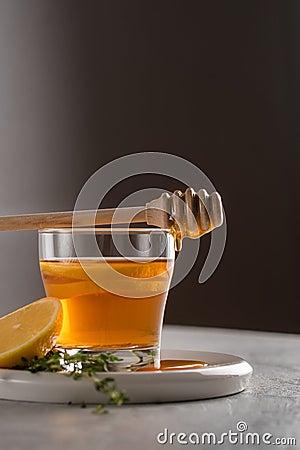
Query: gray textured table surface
(271,404)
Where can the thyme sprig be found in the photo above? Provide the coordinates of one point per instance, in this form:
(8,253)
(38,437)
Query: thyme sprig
(80,365)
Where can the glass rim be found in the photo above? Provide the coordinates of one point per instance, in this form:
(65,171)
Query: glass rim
(102,230)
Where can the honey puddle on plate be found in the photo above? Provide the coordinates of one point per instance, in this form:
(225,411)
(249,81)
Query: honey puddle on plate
(174,364)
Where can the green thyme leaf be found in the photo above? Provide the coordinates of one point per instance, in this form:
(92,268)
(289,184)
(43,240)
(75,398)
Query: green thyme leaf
(78,366)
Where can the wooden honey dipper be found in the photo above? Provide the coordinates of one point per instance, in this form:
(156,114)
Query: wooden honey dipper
(189,214)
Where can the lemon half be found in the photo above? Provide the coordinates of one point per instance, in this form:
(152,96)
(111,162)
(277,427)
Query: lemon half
(29,331)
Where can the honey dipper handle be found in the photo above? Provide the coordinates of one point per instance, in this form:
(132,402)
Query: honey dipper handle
(64,219)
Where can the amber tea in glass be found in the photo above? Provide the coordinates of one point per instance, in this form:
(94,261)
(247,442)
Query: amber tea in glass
(113,285)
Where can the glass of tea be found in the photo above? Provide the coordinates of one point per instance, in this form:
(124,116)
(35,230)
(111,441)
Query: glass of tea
(113,285)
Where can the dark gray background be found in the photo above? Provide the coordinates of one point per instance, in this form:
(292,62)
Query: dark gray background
(82,83)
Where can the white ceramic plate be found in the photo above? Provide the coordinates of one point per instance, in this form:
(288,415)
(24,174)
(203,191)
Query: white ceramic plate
(225,375)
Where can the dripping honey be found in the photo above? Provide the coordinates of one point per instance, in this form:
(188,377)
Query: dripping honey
(96,318)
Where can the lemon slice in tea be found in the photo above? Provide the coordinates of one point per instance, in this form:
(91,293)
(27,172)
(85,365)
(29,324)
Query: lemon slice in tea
(29,331)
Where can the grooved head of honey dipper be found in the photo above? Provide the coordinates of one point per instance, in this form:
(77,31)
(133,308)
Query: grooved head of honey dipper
(192,213)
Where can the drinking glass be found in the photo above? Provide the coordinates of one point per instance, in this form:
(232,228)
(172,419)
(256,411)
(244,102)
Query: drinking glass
(113,285)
